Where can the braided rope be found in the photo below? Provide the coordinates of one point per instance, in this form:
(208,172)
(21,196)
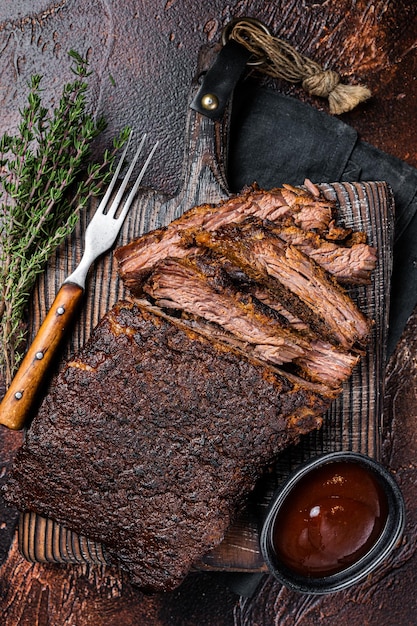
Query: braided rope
(281,60)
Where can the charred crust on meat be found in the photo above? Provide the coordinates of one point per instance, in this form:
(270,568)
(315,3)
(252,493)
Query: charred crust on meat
(157,469)
(234,341)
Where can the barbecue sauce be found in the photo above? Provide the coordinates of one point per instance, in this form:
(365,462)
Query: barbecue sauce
(330,519)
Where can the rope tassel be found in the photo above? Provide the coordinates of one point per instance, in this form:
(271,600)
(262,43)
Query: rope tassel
(278,59)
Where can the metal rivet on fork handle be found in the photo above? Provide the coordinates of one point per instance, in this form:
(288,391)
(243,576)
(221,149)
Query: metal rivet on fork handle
(100,235)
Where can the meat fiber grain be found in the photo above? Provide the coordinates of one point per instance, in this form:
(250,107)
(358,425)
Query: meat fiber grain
(201,288)
(307,210)
(307,290)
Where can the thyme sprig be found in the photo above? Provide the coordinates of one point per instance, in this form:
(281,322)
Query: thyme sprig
(45,181)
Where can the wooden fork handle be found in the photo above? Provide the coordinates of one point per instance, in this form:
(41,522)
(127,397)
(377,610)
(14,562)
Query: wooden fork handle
(20,397)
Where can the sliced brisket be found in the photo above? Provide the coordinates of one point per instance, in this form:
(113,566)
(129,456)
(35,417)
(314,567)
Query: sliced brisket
(307,210)
(151,437)
(307,290)
(269,298)
(350,264)
(199,286)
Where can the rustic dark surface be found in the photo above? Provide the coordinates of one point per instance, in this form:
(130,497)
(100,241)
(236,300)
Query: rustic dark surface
(143,55)
(385,597)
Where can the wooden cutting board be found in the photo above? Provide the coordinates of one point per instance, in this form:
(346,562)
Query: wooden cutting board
(353,422)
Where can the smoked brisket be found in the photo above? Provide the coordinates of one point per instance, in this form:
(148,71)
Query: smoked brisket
(151,438)
(309,292)
(350,263)
(136,259)
(304,216)
(200,287)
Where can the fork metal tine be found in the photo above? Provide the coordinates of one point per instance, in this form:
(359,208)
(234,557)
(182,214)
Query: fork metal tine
(135,187)
(113,181)
(115,204)
(103,228)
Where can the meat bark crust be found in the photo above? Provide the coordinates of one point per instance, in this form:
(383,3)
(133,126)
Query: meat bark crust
(156,469)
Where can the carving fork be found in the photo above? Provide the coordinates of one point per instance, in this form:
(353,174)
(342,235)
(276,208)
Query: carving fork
(100,235)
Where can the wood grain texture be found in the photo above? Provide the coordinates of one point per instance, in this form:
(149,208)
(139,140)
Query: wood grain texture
(384,598)
(370,42)
(19,402)
(354,420)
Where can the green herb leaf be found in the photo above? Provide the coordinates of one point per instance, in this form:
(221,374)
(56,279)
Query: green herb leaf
(45,180)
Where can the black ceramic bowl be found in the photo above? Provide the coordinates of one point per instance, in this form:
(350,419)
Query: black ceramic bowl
(333,521)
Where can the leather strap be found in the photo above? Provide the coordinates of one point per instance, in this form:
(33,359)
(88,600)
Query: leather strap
(220,80)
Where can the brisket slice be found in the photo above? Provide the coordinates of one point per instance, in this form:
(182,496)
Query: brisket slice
(200,287)
(305,208)
(268,298)
(308,291)
(350,264)
(350,261)
(151,438)
(323,364)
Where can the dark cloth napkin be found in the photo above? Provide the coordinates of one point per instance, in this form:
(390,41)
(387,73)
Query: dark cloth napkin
(278,139)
